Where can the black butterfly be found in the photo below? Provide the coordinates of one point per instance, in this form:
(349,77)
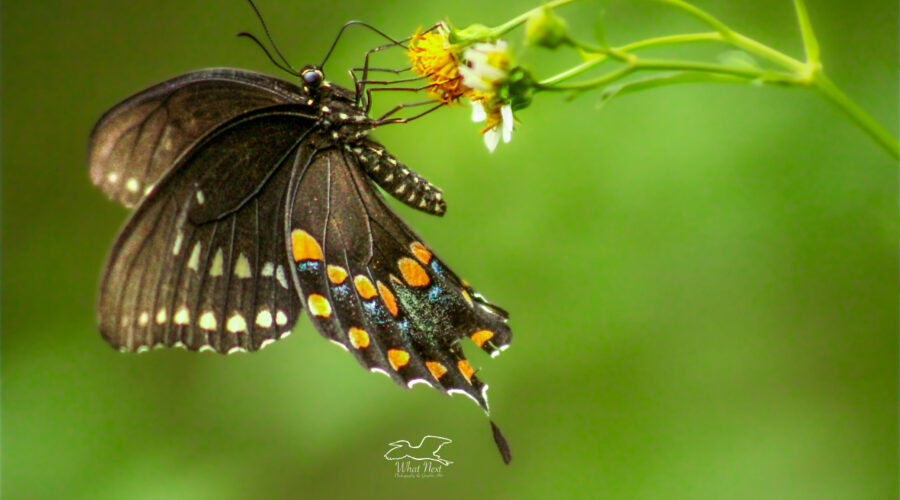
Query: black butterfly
(255,198)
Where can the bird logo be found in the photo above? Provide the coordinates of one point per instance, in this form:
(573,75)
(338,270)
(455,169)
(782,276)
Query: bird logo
(426,450)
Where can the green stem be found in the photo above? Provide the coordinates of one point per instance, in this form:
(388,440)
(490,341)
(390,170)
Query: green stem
(752,46)
(873,129)
(737,39)
(652,64)
(810,44)
(643,44)
(520,19)
(701,15)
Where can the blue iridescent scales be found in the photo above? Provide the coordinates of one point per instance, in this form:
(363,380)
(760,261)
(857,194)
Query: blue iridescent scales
(389,301)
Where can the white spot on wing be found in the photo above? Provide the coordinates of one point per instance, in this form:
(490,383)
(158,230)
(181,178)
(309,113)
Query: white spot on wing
(161,316)
(281,318)
(500,349)
(264,319)
(144,318)
(242,268)
(206,348)
(459,391)
(112,177)
(268,269)
(132,185)
(179,238)
(182,316)
(194,261)
(416,381)
(379,370)
(484,397)
(279,275)
(142,349)
(284,334)
(200,197)
(266,343)
(342,346)
(217,264)
(208,321)
(235,349)
(236,324)
(179,344)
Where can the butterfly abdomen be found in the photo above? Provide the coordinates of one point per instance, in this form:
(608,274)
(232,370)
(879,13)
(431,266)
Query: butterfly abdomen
(398,180)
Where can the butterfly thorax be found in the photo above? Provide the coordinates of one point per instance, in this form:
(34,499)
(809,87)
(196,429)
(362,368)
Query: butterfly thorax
(343,123)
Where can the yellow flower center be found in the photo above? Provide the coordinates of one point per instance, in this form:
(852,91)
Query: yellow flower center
(432,56)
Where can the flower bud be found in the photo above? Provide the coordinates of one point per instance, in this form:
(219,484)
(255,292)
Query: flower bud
(546,29)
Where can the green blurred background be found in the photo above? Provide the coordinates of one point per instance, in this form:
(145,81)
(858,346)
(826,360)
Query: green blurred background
(703,280)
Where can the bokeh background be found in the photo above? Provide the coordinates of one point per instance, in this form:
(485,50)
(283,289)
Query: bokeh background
(703,280)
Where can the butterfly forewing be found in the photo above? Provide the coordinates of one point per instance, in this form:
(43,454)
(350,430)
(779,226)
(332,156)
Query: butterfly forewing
(203,265)
(136,142)
(370,284)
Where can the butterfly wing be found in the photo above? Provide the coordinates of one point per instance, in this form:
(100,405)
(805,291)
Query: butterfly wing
(372,286)
(136,142)
(202,263)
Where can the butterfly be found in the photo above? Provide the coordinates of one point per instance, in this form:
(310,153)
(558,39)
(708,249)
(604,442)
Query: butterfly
(254,198)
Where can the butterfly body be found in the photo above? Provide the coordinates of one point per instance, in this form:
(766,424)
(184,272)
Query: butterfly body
(256,198)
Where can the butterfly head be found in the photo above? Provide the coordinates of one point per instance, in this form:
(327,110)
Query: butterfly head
(312,77)
(339,113)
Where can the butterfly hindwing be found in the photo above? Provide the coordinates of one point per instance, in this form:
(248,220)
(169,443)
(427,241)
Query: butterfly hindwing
(200,264)
(370,284)
(136,142)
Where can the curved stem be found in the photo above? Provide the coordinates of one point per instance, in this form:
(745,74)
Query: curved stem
(652,64)
(643,44)
(521,18)
(873,129)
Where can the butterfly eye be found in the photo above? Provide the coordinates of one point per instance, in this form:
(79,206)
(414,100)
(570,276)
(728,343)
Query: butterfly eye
(313,76)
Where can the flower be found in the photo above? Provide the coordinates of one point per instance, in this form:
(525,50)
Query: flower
(479,72)
(432,55)
(487,64)
(499,122)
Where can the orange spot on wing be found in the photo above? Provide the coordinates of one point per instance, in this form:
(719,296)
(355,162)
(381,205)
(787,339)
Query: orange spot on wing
(398,358)
(437,370)
(412,272)
(364,287)
(358,338)
(481,336)
(420,252)
(466,369)
(336,274)
(304,246)
(389,301)
(319,305)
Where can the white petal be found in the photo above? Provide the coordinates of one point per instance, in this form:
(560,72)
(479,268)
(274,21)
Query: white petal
(507,114)
(490,72)
(473,79)
(478,114)
(475,56)
(491,139)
